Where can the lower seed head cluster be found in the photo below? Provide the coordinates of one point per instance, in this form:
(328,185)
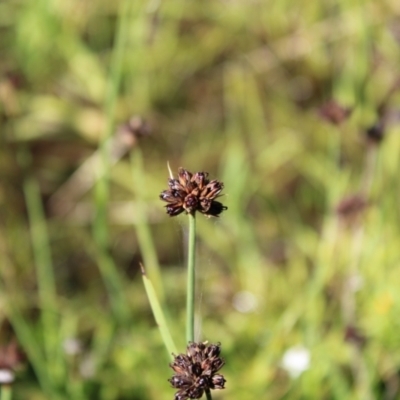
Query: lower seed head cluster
(196,371)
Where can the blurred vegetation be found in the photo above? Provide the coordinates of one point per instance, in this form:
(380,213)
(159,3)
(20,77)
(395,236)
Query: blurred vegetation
(293,105)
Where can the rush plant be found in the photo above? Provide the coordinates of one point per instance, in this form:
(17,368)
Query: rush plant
(195,371)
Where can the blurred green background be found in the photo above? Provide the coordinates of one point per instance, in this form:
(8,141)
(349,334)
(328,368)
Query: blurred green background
(293,105)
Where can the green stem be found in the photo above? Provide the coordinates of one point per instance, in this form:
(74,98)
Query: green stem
(51,370)
(208,394)
(108,270)
(142,226)
(43,265)
(191,279)
(6,392)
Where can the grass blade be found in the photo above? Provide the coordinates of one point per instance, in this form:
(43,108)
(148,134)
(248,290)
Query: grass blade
(158,314)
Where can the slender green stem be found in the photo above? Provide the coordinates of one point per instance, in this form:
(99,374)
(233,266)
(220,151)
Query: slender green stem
(52,369)
(142,226)
(6,392)
(208,394)
(108,270)
(43,265)
(191,279)
(27,340)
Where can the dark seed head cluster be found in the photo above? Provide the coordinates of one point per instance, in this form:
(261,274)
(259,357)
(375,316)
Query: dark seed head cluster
(196,371)
(191,193)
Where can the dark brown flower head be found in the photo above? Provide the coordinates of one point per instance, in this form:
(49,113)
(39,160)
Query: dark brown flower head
(375,133)
(333,112)
(11,358)
(355,336)
(135,128)
(191,193)
(196,371)
(351,209)
(351,205)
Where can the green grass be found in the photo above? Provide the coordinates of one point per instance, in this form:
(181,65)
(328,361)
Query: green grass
(232,89)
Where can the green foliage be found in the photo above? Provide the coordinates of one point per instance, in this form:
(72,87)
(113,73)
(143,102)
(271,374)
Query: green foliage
(228,87)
